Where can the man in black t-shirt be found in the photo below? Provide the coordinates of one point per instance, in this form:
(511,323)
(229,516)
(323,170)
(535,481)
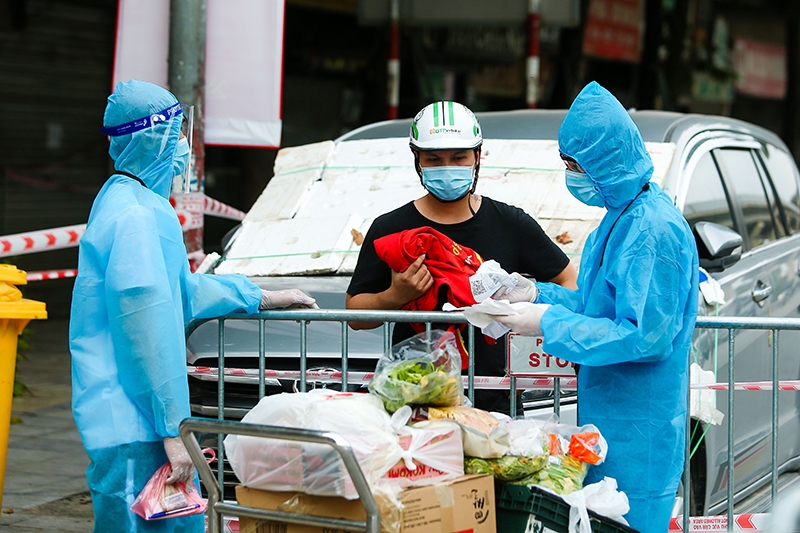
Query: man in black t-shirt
(446,139)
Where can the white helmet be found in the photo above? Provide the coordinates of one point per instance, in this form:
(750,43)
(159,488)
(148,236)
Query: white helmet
(445,126)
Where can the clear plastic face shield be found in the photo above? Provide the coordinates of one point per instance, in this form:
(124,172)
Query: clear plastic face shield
(158,138)
(182,182)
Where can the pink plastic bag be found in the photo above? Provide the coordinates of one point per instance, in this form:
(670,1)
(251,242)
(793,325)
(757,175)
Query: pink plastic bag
(159,500)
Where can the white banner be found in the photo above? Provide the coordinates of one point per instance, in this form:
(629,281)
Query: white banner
(244,64)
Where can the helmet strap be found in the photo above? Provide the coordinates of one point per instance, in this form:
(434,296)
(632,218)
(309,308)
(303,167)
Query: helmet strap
(475,174)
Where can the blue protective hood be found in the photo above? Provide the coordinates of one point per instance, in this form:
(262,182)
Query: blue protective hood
(593,131)
(147,154)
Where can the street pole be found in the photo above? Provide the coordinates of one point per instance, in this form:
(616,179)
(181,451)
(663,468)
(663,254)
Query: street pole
(394,60)
(532,65)
(186,78)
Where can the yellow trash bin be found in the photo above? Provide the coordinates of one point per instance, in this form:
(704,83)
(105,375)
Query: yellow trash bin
(15,313)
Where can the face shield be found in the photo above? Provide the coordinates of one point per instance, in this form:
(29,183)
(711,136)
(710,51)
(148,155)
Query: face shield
(164,116)
(156,142)
(183,165)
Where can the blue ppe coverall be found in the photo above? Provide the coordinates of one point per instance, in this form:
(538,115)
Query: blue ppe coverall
(132,297)
(630,323)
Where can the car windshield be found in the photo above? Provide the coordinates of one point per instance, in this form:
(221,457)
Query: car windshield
(323,197)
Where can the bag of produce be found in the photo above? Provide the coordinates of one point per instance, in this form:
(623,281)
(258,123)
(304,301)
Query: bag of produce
(506,468)
(561,474)
(422,370)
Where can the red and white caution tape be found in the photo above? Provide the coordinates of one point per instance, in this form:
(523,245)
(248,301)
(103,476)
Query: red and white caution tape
(218,209)
(742,522)
(359,378)
(189,219)
(42,275)
(198,202)
(481,382)
(750,385)
(40,241)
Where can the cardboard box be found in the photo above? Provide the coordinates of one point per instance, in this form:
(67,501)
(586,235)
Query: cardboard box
(462,505)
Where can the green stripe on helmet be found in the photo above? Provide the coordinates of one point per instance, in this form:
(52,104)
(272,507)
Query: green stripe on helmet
(436,116)
(452,117)
(415,131)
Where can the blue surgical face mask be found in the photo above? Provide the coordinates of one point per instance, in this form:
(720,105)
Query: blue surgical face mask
(582,187)
(181,157)
(448,184)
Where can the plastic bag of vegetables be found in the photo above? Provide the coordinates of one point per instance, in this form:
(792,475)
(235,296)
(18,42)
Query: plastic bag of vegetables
(422,370)
(561,473)
(506,468)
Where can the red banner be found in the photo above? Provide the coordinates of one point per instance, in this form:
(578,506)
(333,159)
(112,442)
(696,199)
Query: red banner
(760,68)
(614,29)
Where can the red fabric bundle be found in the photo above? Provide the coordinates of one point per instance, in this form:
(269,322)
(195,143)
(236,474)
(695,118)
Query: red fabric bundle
(449,263)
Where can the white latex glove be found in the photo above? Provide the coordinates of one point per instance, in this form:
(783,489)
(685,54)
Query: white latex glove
(286,298)
(524,291)
(182,466)
(527,322)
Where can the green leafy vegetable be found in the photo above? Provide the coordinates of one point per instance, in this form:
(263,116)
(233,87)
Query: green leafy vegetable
(416,382)
(561,474)
(506,468)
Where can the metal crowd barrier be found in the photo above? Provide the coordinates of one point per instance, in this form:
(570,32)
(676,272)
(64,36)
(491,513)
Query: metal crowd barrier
(304,316)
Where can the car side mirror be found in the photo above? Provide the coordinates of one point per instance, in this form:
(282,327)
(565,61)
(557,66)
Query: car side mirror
(718,246)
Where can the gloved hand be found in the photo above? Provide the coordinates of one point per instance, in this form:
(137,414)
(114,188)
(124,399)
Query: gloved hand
(286,298)
(527,323)
(524,291)
(182,466)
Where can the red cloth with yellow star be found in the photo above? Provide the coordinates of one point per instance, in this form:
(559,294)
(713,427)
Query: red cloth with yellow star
(449,263)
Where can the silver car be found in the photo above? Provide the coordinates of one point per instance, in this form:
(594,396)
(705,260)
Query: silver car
(736,184)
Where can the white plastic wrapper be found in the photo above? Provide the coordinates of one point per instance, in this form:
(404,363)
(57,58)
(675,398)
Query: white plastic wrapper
(481,315)
(432,451)
(279,465)
(527,436)
(488,279)
(603,498)
(703,403)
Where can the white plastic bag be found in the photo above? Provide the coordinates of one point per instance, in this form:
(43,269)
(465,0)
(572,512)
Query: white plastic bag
(603,498)
(433,451)
(273,464)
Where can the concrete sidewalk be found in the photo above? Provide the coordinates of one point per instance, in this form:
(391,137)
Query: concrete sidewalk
(45,483)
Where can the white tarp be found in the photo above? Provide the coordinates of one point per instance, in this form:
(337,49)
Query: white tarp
(244,63)
(322,194)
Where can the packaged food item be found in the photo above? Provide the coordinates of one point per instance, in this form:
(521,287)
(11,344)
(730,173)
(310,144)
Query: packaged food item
(585,446)
(506,468)
(159,499)
(422,370)
(482,434)
(561,473)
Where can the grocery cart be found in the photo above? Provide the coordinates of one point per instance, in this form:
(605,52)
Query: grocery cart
(218,507)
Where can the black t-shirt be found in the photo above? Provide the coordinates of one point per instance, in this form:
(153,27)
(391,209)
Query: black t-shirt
(497,231)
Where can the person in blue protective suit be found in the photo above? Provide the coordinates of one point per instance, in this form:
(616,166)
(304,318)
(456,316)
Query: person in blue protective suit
(132,297)
(630,323)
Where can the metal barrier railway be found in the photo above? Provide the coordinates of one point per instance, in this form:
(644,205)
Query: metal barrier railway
(471,382)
